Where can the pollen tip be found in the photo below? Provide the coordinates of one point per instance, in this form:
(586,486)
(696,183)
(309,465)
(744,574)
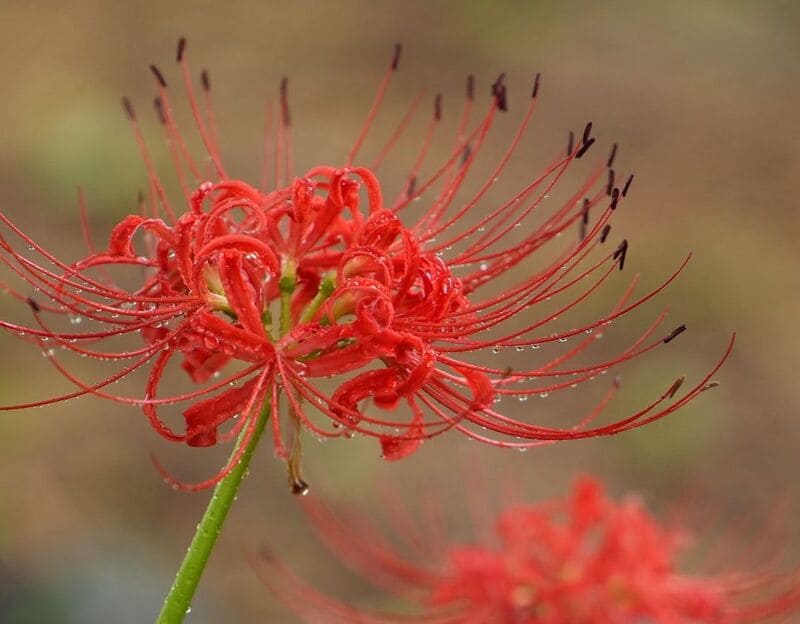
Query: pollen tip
(536,80)
(466,154)
(627,185)
(674,334)
(586,132)
(181,49)
(159,76)
(398,49)
(411,188)
(570,143)
(614,198)
(159,106)
(676,385)
(585,209)
(497,84)
(709,385)
(620,253)
(612,156)
(584,148)
(205,81)
(284,91)
(265,554)
(33,304)
(470,87)
(610,184)
(299,487)
(500,98)
(437,107)
(128,107)
(604,234)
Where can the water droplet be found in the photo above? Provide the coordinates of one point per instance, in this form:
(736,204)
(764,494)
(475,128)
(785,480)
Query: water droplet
(544,395)
(522,398)
(497,349)
(520,348)
(535,346)
(484,266)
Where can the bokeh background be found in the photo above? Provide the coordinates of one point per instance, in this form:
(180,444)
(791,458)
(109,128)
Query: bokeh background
(703,98)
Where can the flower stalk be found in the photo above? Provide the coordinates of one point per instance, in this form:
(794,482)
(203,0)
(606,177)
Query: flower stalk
(178,601)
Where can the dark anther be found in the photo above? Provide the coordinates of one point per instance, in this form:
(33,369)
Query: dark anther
(586,132)
(614,198)
(412,186)
(32,303)
(610,184)
(465,154)
(536,85)
(507,372)
(570,143)
(159,106)
(585,209)
(398,48)
(470,87)
(627,185)
(181,49)
(159,76)
(674,334)
(673,389)
(584,148)
(497,84)
(299,487)
(500,98)
(604,234)
(284,90)
(128,107)
(620,253)
(582,230)
(709,385)
(612,156)
(437,107)
(205,81)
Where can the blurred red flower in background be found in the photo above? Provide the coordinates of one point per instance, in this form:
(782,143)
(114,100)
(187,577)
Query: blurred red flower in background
(581,559)
(318,276)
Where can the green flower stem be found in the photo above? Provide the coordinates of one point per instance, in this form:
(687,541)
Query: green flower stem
(178,601)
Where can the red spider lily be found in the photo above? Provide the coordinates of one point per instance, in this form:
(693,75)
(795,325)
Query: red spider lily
(396,306)
(582,559)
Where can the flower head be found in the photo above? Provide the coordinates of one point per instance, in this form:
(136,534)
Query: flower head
(581,559)
(261,291)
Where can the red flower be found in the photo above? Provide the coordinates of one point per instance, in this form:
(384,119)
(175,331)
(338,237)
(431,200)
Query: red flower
(393,305)
(583,559)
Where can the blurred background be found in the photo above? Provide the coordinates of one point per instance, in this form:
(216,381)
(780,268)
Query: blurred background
(703,98)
